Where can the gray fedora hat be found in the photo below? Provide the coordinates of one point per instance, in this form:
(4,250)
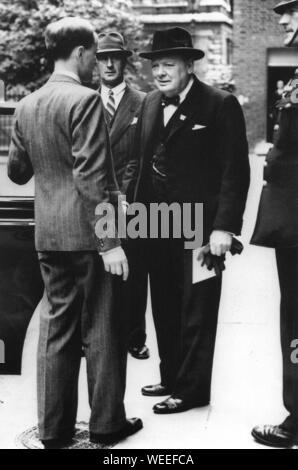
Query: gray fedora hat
(173,40)
(282,7)
(111,42)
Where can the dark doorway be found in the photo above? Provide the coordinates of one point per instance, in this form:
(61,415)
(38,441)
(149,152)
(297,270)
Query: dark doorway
(275,75)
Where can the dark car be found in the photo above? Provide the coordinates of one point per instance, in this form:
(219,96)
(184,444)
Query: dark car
(21,285)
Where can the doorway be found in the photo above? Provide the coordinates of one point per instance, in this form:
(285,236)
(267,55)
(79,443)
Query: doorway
(278,77)
(281,65)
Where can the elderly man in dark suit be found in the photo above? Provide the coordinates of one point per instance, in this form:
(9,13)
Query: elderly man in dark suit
(60,137)
(122,105)
(191,148)
(277,227)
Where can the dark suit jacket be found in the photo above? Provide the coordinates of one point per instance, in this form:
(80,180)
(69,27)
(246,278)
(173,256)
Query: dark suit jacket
(122,129)
(277,221)
(60,136)
(207,155)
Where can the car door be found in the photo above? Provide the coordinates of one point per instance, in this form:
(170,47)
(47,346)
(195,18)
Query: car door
(21,286)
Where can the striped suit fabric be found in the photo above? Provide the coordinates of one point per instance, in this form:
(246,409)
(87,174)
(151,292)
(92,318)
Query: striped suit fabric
(61,137)
(70,180)
(122,129)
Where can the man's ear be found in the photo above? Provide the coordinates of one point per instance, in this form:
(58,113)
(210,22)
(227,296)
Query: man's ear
(190,65)
(80,51)
(124,63)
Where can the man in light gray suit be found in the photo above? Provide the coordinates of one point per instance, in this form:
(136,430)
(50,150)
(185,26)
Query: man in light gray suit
(60,136)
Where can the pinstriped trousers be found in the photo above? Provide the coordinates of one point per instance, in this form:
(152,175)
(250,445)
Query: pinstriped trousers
(81,306)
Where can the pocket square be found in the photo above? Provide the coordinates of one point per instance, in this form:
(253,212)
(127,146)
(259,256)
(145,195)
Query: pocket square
(134,121)
(197,127)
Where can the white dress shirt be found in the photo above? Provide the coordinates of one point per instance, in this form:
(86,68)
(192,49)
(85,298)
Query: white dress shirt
(118,91)
(170,110)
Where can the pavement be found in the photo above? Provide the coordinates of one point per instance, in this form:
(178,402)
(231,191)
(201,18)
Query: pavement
(246,388)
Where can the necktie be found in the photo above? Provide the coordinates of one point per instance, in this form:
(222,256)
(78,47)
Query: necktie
(167,101)
(111,107)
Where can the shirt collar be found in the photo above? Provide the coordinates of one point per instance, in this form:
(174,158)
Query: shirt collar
(116,90)
(70,74)
(186,90)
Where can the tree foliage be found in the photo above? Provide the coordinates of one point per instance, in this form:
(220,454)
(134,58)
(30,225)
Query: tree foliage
(23,64)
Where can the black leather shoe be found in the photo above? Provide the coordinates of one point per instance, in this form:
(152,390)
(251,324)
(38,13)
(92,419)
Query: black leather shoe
(141,352)
(131,427)
(175,405)
(155,391)
(273,436)
(57,443)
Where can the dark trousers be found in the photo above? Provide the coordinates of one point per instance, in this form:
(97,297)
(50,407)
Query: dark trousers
(185,315)
(81,305)
(198,334)
(137,292)
(287,264)
(185,318)
(166,273)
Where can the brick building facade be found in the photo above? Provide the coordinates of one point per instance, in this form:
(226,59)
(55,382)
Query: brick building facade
(259,61)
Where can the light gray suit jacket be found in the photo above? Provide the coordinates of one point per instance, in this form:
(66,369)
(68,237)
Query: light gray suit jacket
(60,136)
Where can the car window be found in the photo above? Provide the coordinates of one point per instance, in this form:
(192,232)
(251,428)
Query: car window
(7,187)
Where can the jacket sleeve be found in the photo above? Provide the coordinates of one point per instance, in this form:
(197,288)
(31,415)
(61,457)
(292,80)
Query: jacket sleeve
(235,171)
(92,166)
(19,167)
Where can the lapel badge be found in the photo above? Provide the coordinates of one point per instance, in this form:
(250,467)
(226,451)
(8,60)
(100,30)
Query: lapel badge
(182,117)
(134,121)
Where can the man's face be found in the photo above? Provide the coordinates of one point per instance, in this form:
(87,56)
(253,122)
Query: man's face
(111,69)
(171,74)
(87,62)
(289,21)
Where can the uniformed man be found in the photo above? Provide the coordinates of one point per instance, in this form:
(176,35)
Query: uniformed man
(277,227)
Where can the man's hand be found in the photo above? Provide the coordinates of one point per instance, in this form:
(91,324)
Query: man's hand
(220,242)
(115,262)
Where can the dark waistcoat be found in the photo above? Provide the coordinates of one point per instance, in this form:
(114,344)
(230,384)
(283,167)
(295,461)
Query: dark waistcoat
(160,155)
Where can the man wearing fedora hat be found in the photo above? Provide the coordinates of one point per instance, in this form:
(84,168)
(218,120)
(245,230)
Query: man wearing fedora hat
(277,228)
(122,105)
(191,147)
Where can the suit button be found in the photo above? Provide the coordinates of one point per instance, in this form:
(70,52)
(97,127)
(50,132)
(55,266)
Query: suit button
(265,184)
